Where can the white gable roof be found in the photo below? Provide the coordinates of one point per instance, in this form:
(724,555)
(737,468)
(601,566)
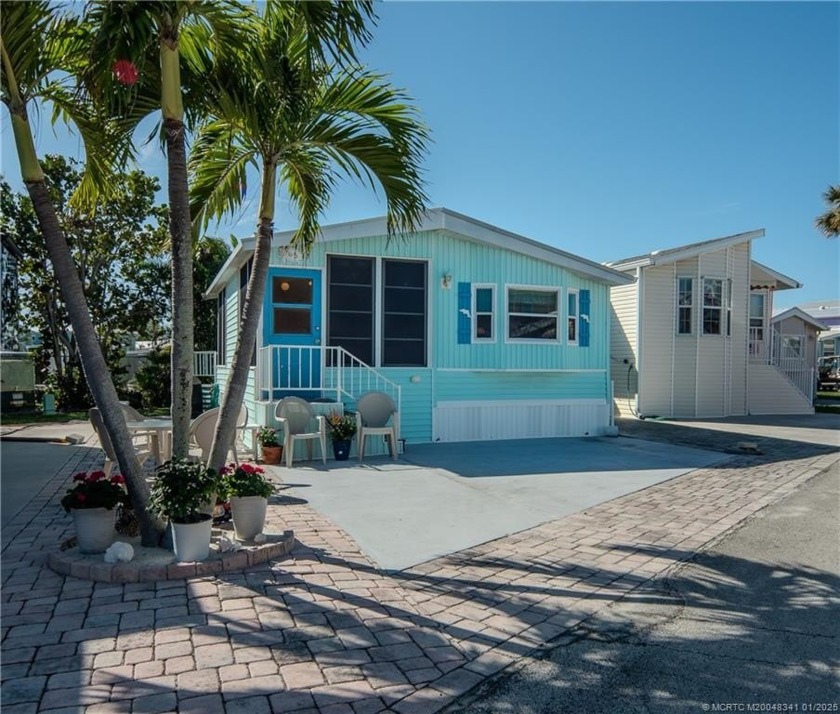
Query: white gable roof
(435,219)
(763,277)
(802,315)
(684,252)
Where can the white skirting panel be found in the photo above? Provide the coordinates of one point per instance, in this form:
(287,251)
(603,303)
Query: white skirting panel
(490,420)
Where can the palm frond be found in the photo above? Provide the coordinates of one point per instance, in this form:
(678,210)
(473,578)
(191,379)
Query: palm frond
(309,179)
(24,27)
(218,164)
(829,222)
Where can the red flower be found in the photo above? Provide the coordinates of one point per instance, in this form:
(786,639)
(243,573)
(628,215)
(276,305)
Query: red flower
(95,476)
(247,468)
(118,479)
(81,476)
(126,72)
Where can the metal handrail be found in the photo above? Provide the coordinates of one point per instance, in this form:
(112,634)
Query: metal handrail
(204,364)
(792,364)
(318,368)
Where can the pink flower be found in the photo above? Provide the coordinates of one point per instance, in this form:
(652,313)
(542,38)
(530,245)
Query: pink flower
(247,468)
(118,479)
(126,72)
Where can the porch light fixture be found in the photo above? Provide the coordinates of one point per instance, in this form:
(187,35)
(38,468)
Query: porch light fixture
(446,281)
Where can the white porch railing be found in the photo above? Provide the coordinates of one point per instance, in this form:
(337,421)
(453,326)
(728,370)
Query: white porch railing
(204,364)
(758,345)
(788,358)
(318,370)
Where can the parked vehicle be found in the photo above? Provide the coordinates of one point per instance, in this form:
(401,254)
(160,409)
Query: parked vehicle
(829,371)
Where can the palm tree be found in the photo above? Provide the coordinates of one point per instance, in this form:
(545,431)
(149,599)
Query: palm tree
(829,222)
(278,104)
(154,41)
(35,45)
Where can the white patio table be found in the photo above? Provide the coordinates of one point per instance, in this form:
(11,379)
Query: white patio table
(161,432)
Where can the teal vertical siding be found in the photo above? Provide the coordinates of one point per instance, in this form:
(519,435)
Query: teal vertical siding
(499,370)
(470,262)
(490,386)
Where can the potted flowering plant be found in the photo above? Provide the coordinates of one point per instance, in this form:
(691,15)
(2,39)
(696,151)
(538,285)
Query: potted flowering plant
(179,492)
(92,502)
(342,430)
(272,452)
(247,488)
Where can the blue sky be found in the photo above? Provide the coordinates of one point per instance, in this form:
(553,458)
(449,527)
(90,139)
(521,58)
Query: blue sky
(610,129)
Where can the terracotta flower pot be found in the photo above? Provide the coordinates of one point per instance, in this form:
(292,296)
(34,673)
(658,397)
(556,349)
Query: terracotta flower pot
(272,455)
(94,529)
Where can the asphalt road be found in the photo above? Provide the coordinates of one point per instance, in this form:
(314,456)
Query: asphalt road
(755,620)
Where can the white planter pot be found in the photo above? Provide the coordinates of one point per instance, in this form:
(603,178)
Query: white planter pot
(94,529)
(208,507)
(248,515)
(191,541)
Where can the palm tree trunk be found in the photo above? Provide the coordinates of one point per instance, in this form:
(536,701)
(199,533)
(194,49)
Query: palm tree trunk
(182,262)
(182,288)
(93,363)
(248,324)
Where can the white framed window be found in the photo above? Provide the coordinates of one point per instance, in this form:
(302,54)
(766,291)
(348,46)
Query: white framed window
(729,307)
(685,305)
(572,316)
(712,305)
(484,312)
(532,313)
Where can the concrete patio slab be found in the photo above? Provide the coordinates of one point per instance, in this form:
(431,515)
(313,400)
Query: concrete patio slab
(442,498)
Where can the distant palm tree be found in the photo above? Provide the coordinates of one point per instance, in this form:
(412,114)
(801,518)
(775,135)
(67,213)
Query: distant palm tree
(36,47)
(829,222)
(278,104)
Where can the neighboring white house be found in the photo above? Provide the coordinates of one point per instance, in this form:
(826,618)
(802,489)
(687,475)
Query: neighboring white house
(692,337)
(798,334)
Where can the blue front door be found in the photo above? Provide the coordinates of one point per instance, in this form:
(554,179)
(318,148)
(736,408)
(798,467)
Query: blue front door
(292,320)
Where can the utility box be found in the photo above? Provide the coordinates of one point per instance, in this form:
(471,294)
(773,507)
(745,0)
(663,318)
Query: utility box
(17,382)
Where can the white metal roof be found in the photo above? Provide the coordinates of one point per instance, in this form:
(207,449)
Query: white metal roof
(435,219)
(684,252)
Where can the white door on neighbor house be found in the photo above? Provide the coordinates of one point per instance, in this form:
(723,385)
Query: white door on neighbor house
(759,335)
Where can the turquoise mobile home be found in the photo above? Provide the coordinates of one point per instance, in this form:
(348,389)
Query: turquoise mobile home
(477,333)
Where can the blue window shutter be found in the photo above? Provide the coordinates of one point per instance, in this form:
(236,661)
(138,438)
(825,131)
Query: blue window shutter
(464,306)
(584,321)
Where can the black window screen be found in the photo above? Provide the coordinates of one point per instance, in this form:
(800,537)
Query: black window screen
(404,314)
(350,305)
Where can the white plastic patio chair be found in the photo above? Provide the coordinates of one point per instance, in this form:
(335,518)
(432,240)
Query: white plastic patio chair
(295,416)
(203,428)
(373,412)
(98,424)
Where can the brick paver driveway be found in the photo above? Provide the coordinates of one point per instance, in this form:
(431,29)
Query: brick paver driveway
(324,631)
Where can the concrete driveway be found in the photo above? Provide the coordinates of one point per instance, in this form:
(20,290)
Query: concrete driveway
(442,498)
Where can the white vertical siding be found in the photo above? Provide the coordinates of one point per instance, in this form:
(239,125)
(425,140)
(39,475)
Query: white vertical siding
(657,327)
(686,346)
(624,312)
(695,375)
(740,331)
